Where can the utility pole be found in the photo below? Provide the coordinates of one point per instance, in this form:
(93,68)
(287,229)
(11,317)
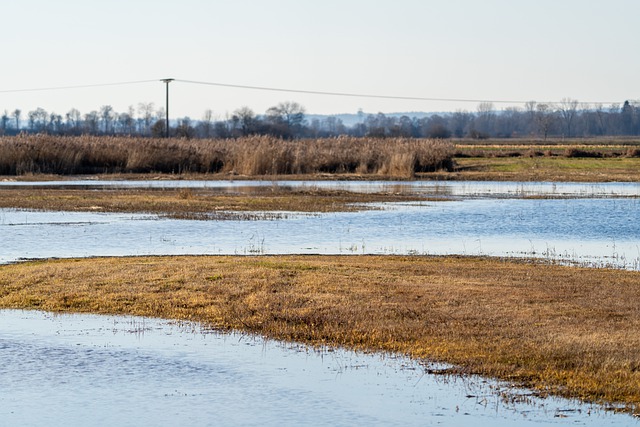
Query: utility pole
(167,81)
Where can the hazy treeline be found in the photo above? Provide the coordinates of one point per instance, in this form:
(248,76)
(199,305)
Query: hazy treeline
(288,120)
(253,155)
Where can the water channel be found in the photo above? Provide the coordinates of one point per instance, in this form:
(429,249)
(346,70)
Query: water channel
(130,371)
(78,370)
(590,224)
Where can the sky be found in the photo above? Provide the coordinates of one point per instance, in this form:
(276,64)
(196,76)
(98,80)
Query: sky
(494,50)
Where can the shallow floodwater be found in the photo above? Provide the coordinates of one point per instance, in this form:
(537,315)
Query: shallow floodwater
(432,188)
(595,231)
(78,370)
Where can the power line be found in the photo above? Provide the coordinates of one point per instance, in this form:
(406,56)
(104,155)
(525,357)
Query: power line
(353,95)
(301,91)
(42,89)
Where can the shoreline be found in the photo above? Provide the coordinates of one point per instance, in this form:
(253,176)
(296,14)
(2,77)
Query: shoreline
(566,331)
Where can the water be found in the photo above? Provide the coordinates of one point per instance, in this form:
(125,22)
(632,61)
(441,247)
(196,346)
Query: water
(434,188)
(78,370)
(93,370)
(594,231)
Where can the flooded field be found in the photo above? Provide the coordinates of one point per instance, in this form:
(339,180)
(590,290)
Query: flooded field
(128,371)
(590,231)
(133,371)
(432,188)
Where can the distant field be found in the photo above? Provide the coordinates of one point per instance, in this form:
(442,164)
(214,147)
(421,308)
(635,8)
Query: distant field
(574,160)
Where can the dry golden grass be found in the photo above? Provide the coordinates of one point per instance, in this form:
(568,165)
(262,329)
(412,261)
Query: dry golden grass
(191,203)
(559,169)
(568,331)
(251,156)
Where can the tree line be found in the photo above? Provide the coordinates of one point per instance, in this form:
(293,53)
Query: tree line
(288,120)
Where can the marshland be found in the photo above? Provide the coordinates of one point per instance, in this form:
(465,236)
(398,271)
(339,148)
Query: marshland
(532,283)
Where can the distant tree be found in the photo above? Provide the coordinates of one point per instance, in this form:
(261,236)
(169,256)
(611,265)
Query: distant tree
(31,120)
(439,131)
(91,122)
(531,111)
(600,115)
(38,120)
(568,108)
(158,129)
(74,119)
(377,125)
(435,126)
(544,119)
(16,116)
(510,123)
(221,129)
(107,116)
(627,118)
(126,122)
(405,127)
(332,126)
(245,120)
(205,126)
(4,122)
(459,123)
(287,117)
(145,111)
(483,122)
(55,124)
(614,122)
(185,129)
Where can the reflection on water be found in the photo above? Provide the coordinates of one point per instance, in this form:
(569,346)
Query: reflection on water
(597,231)
(104,370)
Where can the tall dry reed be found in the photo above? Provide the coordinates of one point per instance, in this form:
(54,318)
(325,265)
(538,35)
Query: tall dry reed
(255,155)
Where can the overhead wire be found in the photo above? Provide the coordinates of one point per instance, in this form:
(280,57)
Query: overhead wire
(43,89)
(346,94)
(287,90)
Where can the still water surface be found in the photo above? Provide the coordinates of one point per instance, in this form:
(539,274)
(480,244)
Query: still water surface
(78,370)
(595,231)
(434,188)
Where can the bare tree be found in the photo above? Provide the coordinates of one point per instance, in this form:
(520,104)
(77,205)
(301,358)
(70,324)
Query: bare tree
(107,116)
(544,119)
(485,118)
(289,115)
(91,122)
(145,110)
(38,120)
(16,115)
(568,108)
(55,123)
(459,122)
(4,122)
(206,124)
(245,118)
(73,118)
(126,122)
(601,118)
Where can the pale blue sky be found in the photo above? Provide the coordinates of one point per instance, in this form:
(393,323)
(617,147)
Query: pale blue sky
(541,50)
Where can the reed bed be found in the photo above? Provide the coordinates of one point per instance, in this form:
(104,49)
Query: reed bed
(251,156)
(562,330)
